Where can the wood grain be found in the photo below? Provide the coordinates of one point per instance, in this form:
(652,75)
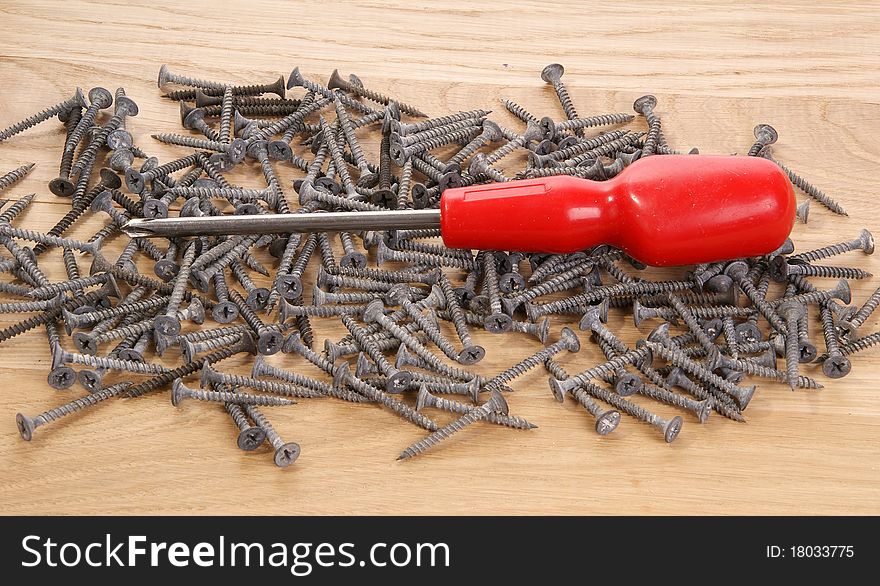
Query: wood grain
(809,69)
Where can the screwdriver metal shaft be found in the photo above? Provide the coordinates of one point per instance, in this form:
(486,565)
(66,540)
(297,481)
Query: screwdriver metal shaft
(282,223)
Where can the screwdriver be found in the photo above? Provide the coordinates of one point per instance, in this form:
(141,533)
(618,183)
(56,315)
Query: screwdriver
(662,210)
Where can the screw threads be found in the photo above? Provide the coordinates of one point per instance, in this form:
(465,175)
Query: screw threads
(278,388)
(114,363)
(606,149)
(187,369)
(15,176)
(866,310)
(16,208)
(399,408)
(812,190)
(530,362)
(181,280)
(519,111)
(828,272)
(236,397)
(37,118)
(600,293)
(125,308)
(53,289)
(202,335)
(28,306)
(79,404)
(446,431)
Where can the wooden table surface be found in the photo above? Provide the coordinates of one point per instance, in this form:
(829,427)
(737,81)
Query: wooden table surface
(717,70)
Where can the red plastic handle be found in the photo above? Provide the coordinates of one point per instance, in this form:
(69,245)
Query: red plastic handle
(662,210)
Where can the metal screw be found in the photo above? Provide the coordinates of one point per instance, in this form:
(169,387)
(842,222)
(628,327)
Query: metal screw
(286,453)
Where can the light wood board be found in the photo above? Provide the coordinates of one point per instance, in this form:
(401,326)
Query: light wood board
(810,70)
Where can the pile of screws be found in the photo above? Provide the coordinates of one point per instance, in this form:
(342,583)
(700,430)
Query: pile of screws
(409,321)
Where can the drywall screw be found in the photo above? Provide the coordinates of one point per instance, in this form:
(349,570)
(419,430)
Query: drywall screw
(168,324)
(568,341)
(851,325)
(519,111)
(693,325)
(74,321)
(136,181)
(234,149)
(166,77)
(190,349)
(589,122)
(855,346)
(276,87)
(257,297)
(367,177)
(426,399)
(398,380)
(560,387)
(212,377)
(28,306)
(670,428)
(226,109)
(99,99)
(765,135)
(496,403)
(53,289)
(399,153)
(841,291)
(414,138)
(835,365)
(47,239)
(606,420)
(27,425)
(403,129)
(344,376)
(295,79)
(286,453)
(16,208)
(224,311)
(496,321)
(535,311)
(721,403)
(78,100)
(192,119)
(480,166)
(554,158)
(742,395)
(645,106)
(336,81)
(263,368)
(158,382)
(552,74)
(250,437)
(473,353)
(384,253)
(375,313)
(351,257)
(864,242)
(808,187)
(780,269)
(180,391)
(270,341)
(111,134)
(107,363)
(14,176)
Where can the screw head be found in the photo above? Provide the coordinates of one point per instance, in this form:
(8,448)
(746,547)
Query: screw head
(270,342)
(295,79)
(25,426)
(673,427)
(548,128)
(497,323)
(166,269)
(251,438)
(373,311)
(225,312)
(167,325)
(471,355)
(570,340)
(499,403)
(766,133)
(628,384)
(129,105)
(61,377)
(336,81)
(646,102)
(85,343)
(164,75)
(423,398)
(660,334)
(557,388)
(287,454)
(748,332)
(806,352)
(867,241)
(836,366)
(177,391)
(552,73)
(100,97)
(62,187)
(278,151)
(607,422)
(91,380)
